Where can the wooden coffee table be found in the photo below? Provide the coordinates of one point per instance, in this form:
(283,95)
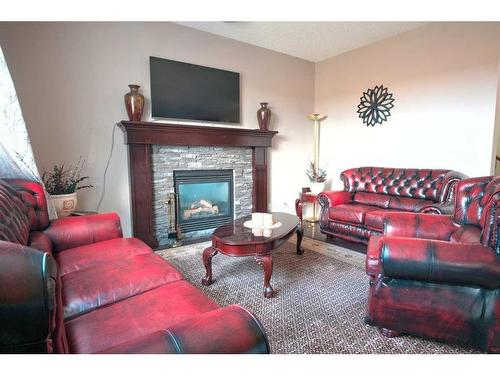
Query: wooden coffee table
(236,240)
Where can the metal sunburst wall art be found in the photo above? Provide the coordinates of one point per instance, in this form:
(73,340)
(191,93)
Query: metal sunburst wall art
(375,105)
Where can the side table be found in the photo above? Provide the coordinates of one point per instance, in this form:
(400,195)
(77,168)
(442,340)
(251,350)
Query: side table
(306,197)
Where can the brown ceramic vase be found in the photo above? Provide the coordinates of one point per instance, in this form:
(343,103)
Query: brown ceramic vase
(134,102)
(263,116)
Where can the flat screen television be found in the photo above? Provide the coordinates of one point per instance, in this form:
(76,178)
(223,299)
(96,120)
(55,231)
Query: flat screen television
(193,92)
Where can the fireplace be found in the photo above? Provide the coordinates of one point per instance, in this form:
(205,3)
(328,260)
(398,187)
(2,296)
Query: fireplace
(204,198)
(157,149)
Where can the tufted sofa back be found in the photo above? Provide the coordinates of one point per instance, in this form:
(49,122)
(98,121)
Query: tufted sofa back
(33,195)
(429,184)
(14,220)
(476,203)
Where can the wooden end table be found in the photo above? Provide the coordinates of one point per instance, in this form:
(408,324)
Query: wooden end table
(306,197)
(236,240)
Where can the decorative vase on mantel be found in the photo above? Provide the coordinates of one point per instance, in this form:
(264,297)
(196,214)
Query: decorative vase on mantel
(134,102)
(263,116)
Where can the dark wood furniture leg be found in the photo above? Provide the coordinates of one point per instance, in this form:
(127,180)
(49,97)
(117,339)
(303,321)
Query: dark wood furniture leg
(300,235)
(208,254)
(266,262)
(298,208)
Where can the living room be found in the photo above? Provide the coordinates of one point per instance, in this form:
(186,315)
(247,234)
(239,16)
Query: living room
(373,144)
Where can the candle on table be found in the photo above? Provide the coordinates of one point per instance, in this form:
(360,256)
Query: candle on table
(267,220)
(257,219)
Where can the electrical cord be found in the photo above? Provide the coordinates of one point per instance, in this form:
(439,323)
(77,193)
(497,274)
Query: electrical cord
(106,169)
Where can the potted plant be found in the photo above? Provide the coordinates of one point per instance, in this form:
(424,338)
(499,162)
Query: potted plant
(317,178)
(62,183)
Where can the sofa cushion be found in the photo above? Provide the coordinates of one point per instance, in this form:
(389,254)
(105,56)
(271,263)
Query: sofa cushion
(14,220)
(109,282)
(409,204)
(375,219)
(136,316)
(466,234)
(350,213)
(378,200)
(79,258)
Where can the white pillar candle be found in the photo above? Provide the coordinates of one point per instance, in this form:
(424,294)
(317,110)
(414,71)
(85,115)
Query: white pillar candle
(268,220)
(257,219)
(257,232)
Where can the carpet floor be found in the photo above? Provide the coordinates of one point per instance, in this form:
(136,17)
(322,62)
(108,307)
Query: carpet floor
(320,299)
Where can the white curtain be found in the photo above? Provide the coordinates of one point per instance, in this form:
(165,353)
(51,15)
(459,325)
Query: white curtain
(16,155)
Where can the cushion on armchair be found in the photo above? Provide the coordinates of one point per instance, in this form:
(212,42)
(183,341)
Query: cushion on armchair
(14,220)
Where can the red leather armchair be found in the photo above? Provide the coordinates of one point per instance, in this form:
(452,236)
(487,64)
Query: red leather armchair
(75,285)
(439,276)
(357,212)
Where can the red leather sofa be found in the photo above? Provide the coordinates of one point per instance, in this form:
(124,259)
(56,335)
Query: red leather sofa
(438,276)
(75,285)
(357,212)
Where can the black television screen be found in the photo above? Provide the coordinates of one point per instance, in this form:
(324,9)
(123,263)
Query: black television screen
(193,92)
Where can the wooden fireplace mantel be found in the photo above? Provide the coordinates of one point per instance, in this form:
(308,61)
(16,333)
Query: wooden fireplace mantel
(139,136)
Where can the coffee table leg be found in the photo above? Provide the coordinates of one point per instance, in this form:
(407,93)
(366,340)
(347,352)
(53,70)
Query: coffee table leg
(266,262)
(300,234)
(208,254)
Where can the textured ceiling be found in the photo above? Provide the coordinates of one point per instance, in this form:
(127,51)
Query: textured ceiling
(313,41)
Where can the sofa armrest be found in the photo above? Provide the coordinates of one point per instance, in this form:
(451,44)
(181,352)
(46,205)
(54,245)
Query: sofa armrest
(445,208)
(450,182)
(228,330)
(27,299)
(73,231)
(419,225)
(440,261)
(333,198)
(372,259)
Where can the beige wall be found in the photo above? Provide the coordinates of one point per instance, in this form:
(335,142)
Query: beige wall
(71,79)
(444,79)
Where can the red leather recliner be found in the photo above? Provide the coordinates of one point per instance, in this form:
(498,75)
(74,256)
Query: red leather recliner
(357,212)
(438,276)
(75,285)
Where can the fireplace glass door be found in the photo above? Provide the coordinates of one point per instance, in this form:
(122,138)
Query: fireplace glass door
(204,198)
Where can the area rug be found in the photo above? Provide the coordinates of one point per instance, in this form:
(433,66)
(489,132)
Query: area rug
(319,304)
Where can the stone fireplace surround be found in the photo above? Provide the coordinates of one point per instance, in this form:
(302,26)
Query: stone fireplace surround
(142,139)
(166,159)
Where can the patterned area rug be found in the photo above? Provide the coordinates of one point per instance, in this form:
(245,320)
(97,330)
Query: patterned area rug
(320,302)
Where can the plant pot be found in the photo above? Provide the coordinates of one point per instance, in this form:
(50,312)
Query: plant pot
(64,204)
(316,187)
